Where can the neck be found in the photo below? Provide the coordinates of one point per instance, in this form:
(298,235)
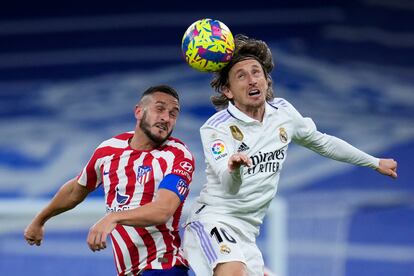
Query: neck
(256,113)
(141,142)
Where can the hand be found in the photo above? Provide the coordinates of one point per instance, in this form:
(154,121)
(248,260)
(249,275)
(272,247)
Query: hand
(99,232)
(388,167)
(237,160)
(33,233)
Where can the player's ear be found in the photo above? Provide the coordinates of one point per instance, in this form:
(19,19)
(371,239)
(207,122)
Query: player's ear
(227,92)
(138,112)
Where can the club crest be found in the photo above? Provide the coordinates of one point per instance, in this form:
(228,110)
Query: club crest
(283,135)
(236,133)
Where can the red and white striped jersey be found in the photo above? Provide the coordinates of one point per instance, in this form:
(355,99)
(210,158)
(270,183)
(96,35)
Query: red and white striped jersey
(130,179)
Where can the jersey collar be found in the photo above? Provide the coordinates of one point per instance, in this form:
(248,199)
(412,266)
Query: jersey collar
(236,113)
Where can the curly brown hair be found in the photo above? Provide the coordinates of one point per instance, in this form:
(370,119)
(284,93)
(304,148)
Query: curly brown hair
(245,48)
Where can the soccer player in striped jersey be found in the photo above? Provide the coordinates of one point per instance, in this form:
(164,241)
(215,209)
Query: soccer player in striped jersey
(245,146)
(146,175)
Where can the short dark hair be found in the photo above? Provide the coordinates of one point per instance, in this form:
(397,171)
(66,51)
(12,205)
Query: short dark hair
(163,88)
(245,48)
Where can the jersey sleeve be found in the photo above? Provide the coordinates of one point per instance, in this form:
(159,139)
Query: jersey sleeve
(184,163)
(179,180)
(91,175)
(306,134)
(175,184)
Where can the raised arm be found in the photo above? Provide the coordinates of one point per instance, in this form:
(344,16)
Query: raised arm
(68,196)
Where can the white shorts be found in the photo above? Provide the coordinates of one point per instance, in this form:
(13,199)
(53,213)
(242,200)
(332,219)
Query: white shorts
(207,244)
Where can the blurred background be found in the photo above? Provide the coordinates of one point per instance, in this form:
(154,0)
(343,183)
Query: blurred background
(71,73)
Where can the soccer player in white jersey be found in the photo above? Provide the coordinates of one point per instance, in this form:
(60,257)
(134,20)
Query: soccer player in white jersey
(145,175)
(245,145)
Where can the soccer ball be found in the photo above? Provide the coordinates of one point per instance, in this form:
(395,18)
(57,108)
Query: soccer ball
(207,45)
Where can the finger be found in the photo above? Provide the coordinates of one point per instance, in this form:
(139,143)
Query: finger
(98,244)
(30,241)
(247,161)
(103,241)
(90,240)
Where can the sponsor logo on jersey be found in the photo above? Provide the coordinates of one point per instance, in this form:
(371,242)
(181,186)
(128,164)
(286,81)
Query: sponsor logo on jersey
(143,174)
(265,162)
(182,172)
(186,166)
(236,133)
(243,147)
(182,187)
(121,198)
(117,208)
(283,135)
(224,249)
(218,149)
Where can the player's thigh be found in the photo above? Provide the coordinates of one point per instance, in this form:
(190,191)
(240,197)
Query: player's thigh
(208,244)
(194,254)
(230,268)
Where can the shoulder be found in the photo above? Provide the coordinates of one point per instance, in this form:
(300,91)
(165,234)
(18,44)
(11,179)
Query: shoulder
(217,119)
(177,147)
(118,141)
(174,141)
(279,103)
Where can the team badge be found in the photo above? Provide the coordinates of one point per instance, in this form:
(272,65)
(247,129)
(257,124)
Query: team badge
(182,187)
(218,149)
(283,135)
(236,133)
(143,174)
(224,249)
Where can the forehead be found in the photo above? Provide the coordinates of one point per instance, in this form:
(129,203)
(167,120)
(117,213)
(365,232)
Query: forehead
(245,65)
(163,98)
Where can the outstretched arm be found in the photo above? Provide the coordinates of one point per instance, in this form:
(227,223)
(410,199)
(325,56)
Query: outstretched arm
(68,196)
(338,149)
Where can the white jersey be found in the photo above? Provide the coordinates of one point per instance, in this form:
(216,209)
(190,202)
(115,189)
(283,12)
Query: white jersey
(242,198)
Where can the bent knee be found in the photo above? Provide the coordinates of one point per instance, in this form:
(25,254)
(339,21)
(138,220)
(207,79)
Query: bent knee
(230,269)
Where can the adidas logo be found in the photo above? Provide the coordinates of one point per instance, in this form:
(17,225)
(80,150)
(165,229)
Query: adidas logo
(243,147)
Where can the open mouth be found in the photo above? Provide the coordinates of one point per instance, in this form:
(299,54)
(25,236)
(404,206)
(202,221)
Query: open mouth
(161,126)
(254,92)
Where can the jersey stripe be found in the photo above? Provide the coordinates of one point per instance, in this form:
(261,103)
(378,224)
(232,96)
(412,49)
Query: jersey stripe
(113,179)
(116,240)
(215,117)
(115,249)
(222,119)
(147,198)
(133,257)
(182,148)
(131,176)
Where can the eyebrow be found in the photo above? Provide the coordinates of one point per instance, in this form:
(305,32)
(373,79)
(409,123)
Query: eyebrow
(255,66)
(164,103)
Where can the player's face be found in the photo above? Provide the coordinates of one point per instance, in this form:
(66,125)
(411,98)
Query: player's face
(159,116)
(247,85)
